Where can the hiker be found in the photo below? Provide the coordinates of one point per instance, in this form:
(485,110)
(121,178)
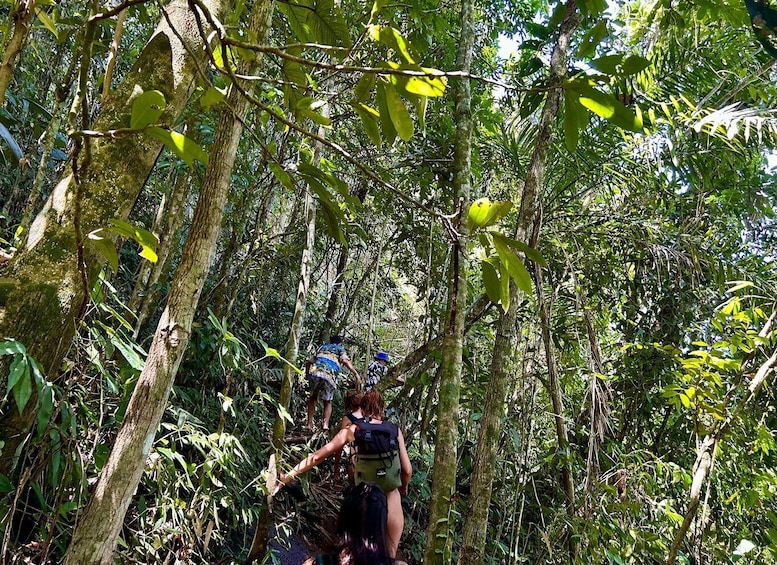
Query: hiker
(353,413)
(381,458)
(362,530)
(322,372)
(377,369)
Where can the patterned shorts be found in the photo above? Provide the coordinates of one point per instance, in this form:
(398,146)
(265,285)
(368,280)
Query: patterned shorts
(321,382)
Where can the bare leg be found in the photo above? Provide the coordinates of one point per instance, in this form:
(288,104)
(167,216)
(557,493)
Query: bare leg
(396,520)
(327,413)
(311,410)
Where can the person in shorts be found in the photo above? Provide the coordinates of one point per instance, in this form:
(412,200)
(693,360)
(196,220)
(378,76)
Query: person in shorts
(322,372)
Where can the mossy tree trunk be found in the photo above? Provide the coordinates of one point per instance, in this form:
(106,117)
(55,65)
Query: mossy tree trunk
(96,534)
(438,534)
(502,361)
(46,287)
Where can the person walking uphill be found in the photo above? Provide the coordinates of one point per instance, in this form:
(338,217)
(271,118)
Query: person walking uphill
(381,457)
(322,372)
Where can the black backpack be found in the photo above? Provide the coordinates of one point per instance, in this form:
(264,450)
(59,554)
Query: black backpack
(377,454)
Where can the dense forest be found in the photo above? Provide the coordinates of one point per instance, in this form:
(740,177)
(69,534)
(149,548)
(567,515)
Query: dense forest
(557,219)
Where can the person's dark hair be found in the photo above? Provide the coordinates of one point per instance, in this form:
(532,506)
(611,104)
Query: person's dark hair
(372,404)
(353,401)
(336,339)
(363,526)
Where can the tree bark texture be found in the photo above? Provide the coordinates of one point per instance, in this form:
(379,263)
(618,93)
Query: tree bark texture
(94,540)
(502,363)
(439,532)
(47,284)
(21,15)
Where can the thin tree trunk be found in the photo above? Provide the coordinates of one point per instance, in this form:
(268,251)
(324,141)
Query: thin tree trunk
(112,53)
(47,284)
(502,363)
(438,534)
(557,403)
(21,15)
(94,540)
(334,296)
(146,296)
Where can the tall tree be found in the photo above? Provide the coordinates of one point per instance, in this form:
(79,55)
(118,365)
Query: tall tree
(502,363)
(95,538)
(46,287)
(438,534)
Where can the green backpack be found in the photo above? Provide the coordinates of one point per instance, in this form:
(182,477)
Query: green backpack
(377,455)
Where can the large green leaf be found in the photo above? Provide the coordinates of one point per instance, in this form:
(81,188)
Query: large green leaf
(483,213)
(634,64)
(386,123)
(147,240)
(18,368)
(10,141)
(146,109)
(400,117)
(606,106)
(530,252)
(364,86)
(23,388)
(106,247)
(317,21)
(491,282)
(11,347)
(181,145)
(430,85)
(393,39)
(370,118)
(514,265)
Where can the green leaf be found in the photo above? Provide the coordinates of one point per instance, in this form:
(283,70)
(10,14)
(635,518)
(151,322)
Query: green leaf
(212,96)
(514,265)
(634,64)
(18,368)
(5,484)
(127,351)
(606,106)
(377,6)
(399,114)
(46,397)
(430,85)
(23,388)
(571,119)
(47,22)
(484,213)
(369,117)
(607,64)
(11,347)
(386,123)
(393,39)
(364,86)
(147,108)
(530,252)
(592,39)
(106,247)
(316,21)
(491,282)
(282,176)
(181,145)
(147,240)
(11,142)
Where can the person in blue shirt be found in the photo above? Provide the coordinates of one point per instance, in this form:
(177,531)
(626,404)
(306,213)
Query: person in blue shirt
(322,372)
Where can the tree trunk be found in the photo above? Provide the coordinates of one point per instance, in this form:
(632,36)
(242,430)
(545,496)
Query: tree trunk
(46,286)
(438,534)
(334,296)
(502,364)
(21,15)
(94,540)
(146,295)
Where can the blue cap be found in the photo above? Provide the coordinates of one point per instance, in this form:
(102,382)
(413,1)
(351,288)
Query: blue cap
(382,356)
